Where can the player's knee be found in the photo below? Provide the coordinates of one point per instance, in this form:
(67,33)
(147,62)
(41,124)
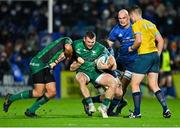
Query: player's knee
(118,92)
(81,79)
(112,87)
(37,93)
(82,82)
(82,85)
(112,83)
(51,93)
(135,84)
(154,87)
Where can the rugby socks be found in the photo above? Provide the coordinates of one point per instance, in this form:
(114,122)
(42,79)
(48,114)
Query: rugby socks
(89,101)
(21,95)
(164,91)
(96,99)
(113,104)
(105,103)
(38,103)
(171,91)
(137,102)
(161,99)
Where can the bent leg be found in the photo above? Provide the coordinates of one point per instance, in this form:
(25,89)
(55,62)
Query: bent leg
(111,83)
(36,92)
(82,79)
(125,80)
(40,101)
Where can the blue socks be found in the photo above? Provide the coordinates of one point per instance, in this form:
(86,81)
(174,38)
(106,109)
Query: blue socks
(137,102)
(161,100)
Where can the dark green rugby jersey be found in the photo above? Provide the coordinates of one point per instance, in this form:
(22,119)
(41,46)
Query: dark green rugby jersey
(49,54)
(89,55)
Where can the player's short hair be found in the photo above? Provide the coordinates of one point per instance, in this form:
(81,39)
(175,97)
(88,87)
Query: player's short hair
(90,34)
(135,9)
(124,11)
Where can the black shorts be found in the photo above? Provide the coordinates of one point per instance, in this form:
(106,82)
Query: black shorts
(165,74)
(44,76)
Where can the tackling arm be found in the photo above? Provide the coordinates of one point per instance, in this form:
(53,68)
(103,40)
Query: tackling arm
(60,58)
(68,51)
(76,64)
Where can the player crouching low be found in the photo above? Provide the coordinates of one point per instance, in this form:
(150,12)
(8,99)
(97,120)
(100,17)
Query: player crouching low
(89,50)
(106,63)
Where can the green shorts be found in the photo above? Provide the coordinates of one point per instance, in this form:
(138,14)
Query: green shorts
(146,63)
(91,75)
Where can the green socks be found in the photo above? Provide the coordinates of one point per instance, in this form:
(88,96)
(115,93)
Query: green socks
(89,100)
(21,95)
(28,94)
(38,103)
(106,102)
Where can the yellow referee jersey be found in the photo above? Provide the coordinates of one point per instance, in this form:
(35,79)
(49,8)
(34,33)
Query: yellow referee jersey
(148,33)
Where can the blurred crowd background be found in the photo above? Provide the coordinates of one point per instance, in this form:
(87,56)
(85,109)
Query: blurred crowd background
(22,23)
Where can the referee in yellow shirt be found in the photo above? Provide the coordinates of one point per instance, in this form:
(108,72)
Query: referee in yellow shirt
(146,33)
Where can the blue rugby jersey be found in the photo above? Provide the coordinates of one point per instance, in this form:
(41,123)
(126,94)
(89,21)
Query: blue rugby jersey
(126,39)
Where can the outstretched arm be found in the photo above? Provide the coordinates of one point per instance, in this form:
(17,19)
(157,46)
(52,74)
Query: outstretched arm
(67,54)
(76,64)
(60,58)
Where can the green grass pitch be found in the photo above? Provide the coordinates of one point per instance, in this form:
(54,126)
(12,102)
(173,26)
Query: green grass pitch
(69,113)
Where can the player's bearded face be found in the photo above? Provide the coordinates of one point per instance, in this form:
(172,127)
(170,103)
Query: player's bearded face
(89,42)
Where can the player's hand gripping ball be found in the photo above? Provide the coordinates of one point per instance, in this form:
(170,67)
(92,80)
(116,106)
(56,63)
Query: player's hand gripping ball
(102,60)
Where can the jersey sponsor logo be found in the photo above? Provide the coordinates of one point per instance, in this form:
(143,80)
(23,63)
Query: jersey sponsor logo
(34,64)
(120,35)
(90,59)
(94,52)
(128,39)
(148,26)
(78,51)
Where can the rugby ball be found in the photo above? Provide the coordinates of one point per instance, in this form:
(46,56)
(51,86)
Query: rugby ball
(104,59)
